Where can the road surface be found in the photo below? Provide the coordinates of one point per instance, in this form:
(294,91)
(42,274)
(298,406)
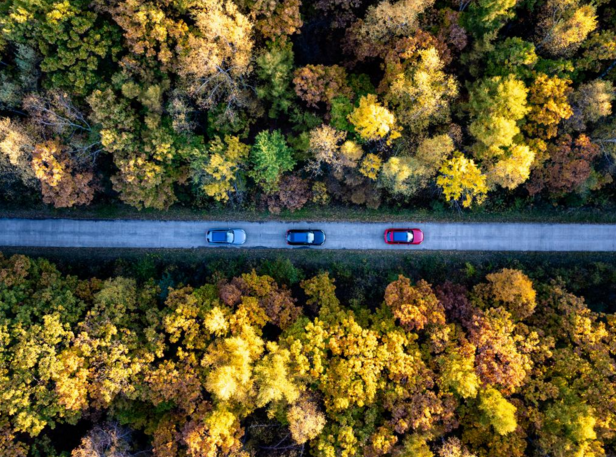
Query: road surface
(340,235)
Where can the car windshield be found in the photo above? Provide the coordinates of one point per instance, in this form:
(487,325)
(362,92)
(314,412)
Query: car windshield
(403,237)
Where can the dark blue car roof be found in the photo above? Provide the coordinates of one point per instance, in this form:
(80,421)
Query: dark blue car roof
(219,237)
(299,237)
(401,237)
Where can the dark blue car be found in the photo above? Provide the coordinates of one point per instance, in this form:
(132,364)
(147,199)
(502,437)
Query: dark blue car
(305,237)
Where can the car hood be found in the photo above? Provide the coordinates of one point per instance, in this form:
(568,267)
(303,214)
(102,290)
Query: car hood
(239,237)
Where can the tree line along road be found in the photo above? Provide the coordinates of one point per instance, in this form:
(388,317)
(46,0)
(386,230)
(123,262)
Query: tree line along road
(340,235)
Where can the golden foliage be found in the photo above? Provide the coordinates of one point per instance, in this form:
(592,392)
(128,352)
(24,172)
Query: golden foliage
(405,379)
(383,24)
(513,169)
(278,18)
(462,181)
(305,421)
(319,193)
(511,289)
(549,104)
(498,411)
(217,173)
(215,63)
(374,122)
(422,92)
(414,306)
(564,26)
(370,166)
(16,147)
(316,84)
(61,185)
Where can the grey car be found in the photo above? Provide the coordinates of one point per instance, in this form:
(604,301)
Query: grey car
(234,237)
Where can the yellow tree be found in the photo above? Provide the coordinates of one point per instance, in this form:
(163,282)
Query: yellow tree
(511,289)
(513,169)
(402,175)
(407,174)
(384,23)
(230,363)
(497,411)
(374,122)
(151,29)
(370,166)
(549,104)
(564,25)
(457,370)
(216,61)
(16,146)
(414,306)
(216,174)
(433,151)
(421,94)
(61,184)
(305,421)
(591,102)
(462,181)
(326,145)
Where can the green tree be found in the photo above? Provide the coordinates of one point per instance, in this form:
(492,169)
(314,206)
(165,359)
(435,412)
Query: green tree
(496,105)
(487,16)
(275,72)
(18,80)
(149,155)
(341,108)
(512,56)
(270,157)
(76,43)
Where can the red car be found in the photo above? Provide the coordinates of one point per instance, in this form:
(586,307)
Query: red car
(403,236)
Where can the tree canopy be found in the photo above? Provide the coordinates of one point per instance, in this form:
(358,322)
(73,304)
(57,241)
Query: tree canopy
(131,99)
(244,365)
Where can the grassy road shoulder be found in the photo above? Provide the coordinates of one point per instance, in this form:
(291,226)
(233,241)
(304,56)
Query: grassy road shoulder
(329,213)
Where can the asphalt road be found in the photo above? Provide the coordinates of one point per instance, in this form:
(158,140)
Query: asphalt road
(340,235)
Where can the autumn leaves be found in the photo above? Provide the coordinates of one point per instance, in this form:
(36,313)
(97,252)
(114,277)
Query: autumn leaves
(504,367)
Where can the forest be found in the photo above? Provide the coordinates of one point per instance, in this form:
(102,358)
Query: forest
(487,365)
(280,104)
